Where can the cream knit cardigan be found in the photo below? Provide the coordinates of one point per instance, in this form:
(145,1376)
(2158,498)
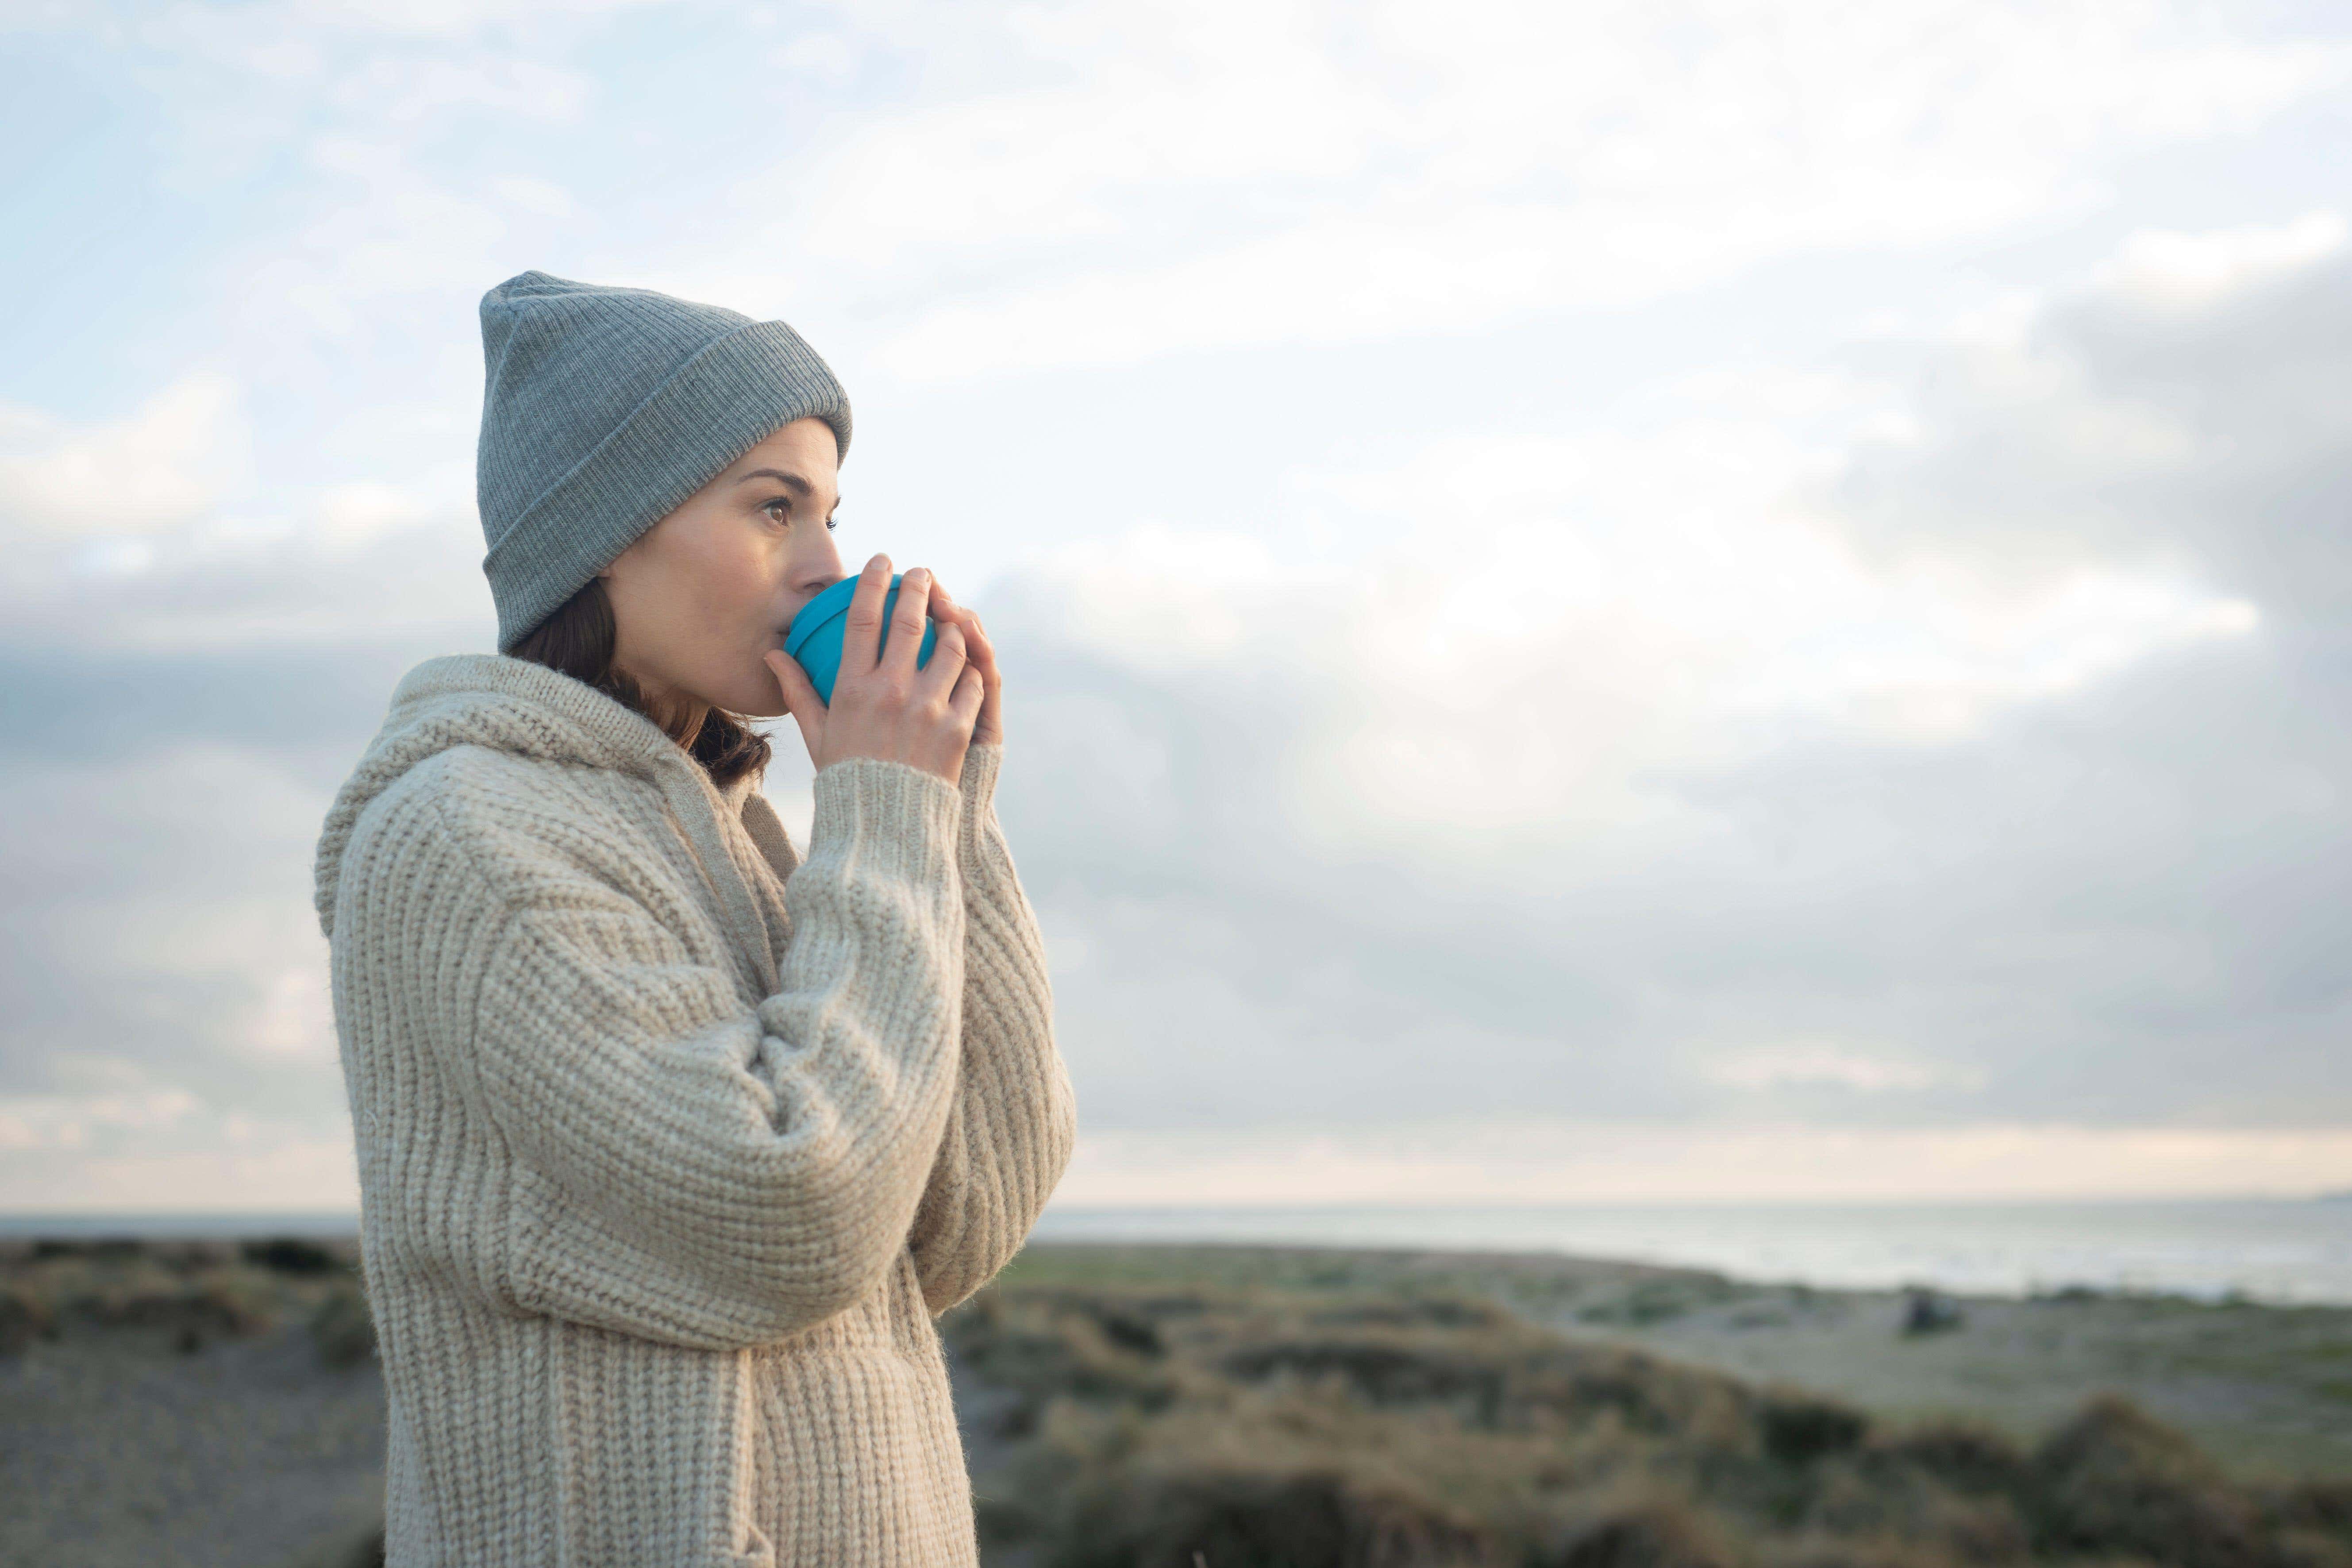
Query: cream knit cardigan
(672,1143)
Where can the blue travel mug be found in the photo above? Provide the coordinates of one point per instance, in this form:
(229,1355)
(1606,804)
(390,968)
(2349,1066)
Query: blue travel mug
(813,639)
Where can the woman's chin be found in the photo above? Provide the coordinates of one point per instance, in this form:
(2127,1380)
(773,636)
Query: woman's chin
(762,698)
(747,687)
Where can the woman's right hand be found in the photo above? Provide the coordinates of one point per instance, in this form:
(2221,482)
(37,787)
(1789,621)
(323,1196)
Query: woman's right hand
(887,708)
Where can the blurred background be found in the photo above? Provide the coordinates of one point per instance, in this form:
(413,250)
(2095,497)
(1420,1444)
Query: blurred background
(1633,608)
(1677,689)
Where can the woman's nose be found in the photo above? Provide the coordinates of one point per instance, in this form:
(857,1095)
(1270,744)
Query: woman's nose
(821,569)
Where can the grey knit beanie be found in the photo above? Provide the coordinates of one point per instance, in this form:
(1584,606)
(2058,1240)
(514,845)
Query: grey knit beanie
(602,410)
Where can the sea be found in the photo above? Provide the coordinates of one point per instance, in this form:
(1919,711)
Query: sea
(2278,1250)
(2286,1251)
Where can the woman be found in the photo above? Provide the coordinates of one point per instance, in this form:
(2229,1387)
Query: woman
(672,1141)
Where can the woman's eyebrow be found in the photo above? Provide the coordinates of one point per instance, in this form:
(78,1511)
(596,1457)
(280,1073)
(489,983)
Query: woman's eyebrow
(792,482)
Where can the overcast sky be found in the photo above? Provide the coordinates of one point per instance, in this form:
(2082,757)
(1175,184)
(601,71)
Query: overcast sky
(1637,601)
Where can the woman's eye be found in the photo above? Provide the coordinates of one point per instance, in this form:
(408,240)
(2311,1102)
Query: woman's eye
(770,508)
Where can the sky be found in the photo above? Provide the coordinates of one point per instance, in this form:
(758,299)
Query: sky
(1647,602)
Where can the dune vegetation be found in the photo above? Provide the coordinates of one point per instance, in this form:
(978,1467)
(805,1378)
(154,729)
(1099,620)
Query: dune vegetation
(1134,1406)
(187,1294)
(1212,1426)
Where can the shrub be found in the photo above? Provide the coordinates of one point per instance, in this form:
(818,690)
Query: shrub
(1131,1330)
(1047,1342)
(1657,1533)
(292,1255)
(114,1249)
(1234,1519)
(24,1317)
(1799,1428)
(343,1329)
(1926,1312)
(1880,1551)
(191,1313)
(2116,1482)
(1381,1372)
(1965,1456)
(2324,1506)
(1419,1312)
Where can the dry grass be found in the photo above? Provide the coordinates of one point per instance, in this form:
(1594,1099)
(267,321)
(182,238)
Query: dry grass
(1303,1427)
(187,1292)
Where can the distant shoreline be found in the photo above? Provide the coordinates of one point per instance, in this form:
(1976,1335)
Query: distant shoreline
(237,1223)
(2270,1251)
(2280,1251)
(224,1227)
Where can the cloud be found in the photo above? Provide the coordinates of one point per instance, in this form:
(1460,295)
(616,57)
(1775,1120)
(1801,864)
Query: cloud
(2167,266)
(1816,1062)
(163,466)
(215,1162)
(1379,830)
(1516,1162)
(1182,179)
(35,1122)
(2180,411)
(965,192)
(1480,652)
(1617,761)
(146,534)
(160,926)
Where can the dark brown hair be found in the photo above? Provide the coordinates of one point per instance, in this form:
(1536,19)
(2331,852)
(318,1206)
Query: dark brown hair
(578,640)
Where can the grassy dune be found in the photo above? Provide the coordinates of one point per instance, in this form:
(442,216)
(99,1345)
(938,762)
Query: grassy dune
(2266,1389)
(1137,1406)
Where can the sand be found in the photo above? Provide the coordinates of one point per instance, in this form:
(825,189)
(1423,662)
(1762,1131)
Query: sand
(117,1449)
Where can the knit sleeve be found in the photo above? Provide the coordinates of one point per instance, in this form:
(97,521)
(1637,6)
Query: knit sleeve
(1014,1118)
(691,1170)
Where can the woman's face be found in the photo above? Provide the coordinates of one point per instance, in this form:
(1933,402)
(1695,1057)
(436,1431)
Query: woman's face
(701,595)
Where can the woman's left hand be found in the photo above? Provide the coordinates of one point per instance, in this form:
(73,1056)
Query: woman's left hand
(981,655)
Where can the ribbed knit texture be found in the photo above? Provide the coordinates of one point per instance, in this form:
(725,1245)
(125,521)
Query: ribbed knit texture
(603,409)
(654,1241)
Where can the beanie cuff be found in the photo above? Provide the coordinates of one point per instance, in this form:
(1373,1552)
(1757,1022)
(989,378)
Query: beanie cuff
(739,390)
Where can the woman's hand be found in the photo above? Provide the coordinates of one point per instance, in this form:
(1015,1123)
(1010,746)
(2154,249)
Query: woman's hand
(983,654)
(886,707)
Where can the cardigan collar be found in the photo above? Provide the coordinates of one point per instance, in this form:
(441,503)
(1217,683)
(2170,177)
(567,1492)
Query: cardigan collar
(521,706)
